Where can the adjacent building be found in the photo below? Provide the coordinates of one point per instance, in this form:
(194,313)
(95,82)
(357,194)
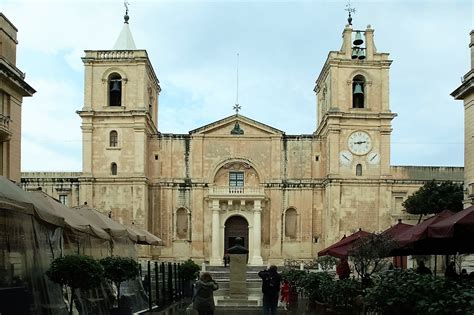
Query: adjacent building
(12,90)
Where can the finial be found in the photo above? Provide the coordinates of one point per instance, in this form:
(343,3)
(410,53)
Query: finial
(350,10)
(126,17)
(237,106)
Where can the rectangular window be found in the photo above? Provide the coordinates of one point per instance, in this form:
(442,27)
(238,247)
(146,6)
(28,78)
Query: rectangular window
(63,199)
(236,179)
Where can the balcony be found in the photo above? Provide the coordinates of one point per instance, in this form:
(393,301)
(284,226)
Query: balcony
(231,192)
(4,127)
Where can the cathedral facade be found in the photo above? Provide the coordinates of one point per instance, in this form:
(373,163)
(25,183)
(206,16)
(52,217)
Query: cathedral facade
(287,196)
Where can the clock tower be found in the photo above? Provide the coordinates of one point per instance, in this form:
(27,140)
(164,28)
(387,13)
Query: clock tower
(353,129)
(354,117)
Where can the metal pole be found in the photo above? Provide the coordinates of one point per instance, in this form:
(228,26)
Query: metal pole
(175,270)
(164,296)
(170,282)
(157,285)
(150,305)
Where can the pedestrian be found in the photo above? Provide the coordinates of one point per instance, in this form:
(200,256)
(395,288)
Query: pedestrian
(450,272)
(226,259)
(203,297)
(342,269)
(422,269)
(285,292)
(271,280)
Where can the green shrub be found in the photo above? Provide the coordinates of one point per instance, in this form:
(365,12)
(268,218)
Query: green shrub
(406,292)
(315,284)
(76,272)
(189,270)
(343,296)
(118,269)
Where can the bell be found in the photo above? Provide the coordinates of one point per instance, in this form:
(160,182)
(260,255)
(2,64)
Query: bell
(115,86)
(361,55)
(358,39)
(355,52)
(358,89)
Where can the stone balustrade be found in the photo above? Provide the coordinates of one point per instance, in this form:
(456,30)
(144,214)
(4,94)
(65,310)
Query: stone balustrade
(231,190)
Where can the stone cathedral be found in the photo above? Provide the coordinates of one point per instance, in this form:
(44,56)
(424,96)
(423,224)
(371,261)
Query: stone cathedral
(287,196)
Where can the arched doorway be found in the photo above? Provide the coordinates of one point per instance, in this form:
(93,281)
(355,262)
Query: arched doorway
(236,226)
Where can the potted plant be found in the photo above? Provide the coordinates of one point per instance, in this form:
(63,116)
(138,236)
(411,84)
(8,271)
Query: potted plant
(189,272)
(119,269)
(76,272)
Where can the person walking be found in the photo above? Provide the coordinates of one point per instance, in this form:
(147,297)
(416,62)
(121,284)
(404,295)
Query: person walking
(342,269)
(203,297)
(285,293)
(271,280)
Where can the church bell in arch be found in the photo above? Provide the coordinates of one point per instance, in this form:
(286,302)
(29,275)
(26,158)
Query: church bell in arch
(115,86)
(358,89)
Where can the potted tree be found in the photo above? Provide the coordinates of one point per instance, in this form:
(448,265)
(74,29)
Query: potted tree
(189,272)
(76,272)
(119,269)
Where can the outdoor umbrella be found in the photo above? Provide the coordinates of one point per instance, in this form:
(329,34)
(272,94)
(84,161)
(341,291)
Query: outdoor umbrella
(341,248)
(145,237)
(115,229)
(394,231)
(414,241)
(457,230)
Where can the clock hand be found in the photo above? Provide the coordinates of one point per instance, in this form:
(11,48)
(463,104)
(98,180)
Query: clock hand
(373,157)
(360,142)
(346,157)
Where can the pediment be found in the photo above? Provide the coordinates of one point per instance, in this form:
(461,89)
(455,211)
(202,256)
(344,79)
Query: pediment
(237,125)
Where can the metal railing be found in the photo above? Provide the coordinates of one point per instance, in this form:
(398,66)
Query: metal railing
(163,283)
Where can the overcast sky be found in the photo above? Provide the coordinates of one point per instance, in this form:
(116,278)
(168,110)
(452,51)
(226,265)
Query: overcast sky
(282,45)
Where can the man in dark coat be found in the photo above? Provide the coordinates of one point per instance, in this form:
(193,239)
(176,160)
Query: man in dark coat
(271,280)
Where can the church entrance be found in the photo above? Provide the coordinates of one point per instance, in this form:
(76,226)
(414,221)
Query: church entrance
(236,226)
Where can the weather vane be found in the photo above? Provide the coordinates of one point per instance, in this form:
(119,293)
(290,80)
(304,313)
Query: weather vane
(350,10)
(237,107)
(126,4)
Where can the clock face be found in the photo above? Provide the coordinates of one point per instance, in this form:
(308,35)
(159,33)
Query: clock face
(359,142)
(373,158)
(345,158)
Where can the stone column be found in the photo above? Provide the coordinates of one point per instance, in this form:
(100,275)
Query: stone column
(257,235)
(216,259)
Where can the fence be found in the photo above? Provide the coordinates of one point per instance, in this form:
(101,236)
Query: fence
(163,283)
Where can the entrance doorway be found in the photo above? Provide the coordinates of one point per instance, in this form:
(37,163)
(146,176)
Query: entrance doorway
(236,226)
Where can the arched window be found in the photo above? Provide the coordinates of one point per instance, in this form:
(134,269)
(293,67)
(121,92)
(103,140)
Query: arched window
(115,89)
(358,90)
(113,168)
(291,223)
(182,223)
(358,170)
(113,138)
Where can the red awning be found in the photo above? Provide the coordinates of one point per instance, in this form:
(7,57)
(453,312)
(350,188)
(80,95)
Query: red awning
(397,229)
(459,225)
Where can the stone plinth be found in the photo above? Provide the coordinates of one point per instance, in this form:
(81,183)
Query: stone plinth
(238,273)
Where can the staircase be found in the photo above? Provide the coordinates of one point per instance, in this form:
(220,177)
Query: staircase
(221,275)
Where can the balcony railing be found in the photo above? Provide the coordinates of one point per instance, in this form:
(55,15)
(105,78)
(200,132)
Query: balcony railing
(236,191)
(4,124)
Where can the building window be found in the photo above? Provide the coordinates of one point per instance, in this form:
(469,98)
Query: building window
(358,170)
(291,223)
(236,179)
(113,168)
(113,138)
(182,224)
(63,199)
(358,92)
(115,89)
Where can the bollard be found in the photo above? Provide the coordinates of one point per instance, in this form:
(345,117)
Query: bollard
(203,267)
(150,305)
(301,266)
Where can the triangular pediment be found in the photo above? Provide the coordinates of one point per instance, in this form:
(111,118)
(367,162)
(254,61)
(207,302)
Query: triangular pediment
(237,125)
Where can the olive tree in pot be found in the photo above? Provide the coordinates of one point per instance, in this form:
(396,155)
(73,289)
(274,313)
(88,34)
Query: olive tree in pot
(119,269)
(76,272)
(189,272)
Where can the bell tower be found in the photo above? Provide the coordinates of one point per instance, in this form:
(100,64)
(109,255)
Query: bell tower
(354,117)
(119,117)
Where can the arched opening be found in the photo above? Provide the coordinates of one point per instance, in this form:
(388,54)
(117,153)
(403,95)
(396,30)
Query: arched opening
(236,226)
(115,89)
(113,168)
(182,224)
(113,138)
(358,170)
(358,92)
(291,223)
